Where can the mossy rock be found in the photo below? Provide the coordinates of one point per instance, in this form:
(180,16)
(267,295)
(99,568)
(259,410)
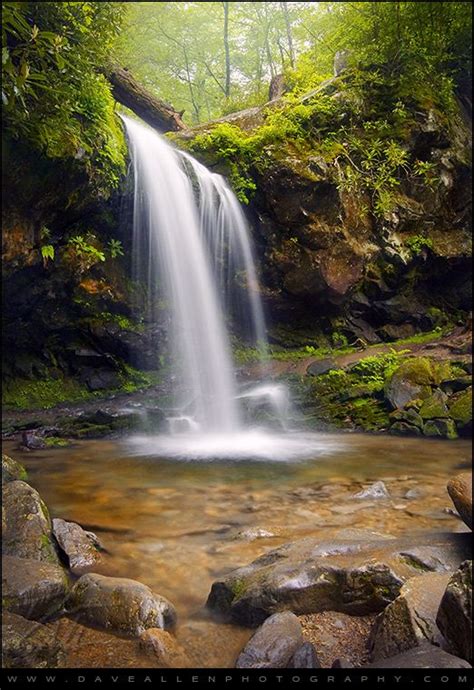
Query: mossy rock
(11,470)
(444,428)
(434,406)
(460,407)
(413,379)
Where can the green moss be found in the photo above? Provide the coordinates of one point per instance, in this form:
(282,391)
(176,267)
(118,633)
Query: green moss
(23,394)
(460,407)
(238,588)
(55,442)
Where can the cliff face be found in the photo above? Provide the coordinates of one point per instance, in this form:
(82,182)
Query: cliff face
(327,258)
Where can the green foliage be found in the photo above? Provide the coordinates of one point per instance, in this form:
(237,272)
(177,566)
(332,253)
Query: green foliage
(47,252)
(115,248)
(418,244)
(25,394)
(87,254)
(53,94)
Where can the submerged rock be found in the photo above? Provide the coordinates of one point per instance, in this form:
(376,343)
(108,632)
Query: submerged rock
(375,490)
(27,524)
(454,617)
(460,490)
(307,576)
(28,644)
(80,548)
(119,604)
(410,620)
(164,648)
(274,643)
(11,470)
(424,656)
(32,588)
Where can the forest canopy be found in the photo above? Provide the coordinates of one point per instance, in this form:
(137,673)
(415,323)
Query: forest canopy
(209,59)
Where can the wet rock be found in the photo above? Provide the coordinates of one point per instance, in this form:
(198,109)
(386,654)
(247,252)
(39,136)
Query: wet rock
(405,429)
(454,617)
(254,533)
(32,588)
(28,644)
(424,656)
(100,379)
(460,490)
(119,604)
(456,384)
(273,644)
(32,441)
(354,577)
(11,470)
(305,657)
(166,650)
(445,428)
(410,620)
(407,416)
(375,490)
(28,526)
(80,548)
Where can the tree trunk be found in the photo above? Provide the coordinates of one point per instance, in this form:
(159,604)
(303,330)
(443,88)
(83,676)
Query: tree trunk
(155,112)
(226,48)
(291,51)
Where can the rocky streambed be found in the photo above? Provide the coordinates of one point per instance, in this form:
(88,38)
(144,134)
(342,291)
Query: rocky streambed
(135,562)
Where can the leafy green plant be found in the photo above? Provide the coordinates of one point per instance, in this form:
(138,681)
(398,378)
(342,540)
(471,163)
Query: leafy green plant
(115,248)
(418,244)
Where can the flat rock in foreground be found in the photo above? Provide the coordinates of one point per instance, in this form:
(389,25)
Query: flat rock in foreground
(354,577)
(119,604)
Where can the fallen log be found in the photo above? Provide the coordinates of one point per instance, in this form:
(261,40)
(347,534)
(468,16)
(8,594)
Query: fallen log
(155,112)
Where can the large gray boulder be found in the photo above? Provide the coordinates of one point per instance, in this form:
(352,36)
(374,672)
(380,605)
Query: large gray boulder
(27,531)
(410,620)
(119,604)
(454,617)
(80,548)
(354,577)
(33,589)
(274,644)
(28,644)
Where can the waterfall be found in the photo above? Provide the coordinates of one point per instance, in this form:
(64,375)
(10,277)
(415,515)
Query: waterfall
(190,243)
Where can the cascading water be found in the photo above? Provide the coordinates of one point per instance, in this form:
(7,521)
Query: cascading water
(191,246)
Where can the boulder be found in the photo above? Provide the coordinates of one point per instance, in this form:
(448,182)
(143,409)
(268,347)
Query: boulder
(413,379)
(460,490)
(28,526)
(460,410)
(322,366)
(166,650)
(305,657)
(411,619)
(308,576)
(33,589)
(28,644)
(454,617)
(80,548)
(11,470)
(424,656)
(434,406)
(445,428)
(119,604)
(32,441)
(274,643)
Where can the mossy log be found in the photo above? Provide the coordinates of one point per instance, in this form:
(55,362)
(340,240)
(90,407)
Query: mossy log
(155,112)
